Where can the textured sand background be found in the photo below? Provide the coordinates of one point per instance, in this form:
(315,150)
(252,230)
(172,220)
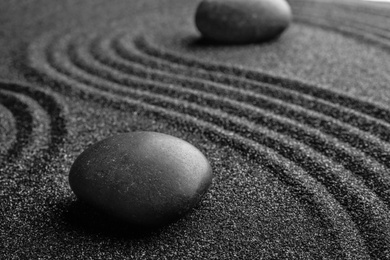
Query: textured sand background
(296,130)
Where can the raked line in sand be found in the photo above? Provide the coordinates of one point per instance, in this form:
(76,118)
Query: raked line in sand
(40,123)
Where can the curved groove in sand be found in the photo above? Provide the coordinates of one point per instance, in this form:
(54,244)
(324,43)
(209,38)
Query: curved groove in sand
(288,172)
(361,110)
(126,58)
(361,114)
(53,105)
(31,124)
(334,127)
(360,202)
(375,175)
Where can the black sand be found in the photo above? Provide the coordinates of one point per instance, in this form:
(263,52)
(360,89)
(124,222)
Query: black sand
(296,130)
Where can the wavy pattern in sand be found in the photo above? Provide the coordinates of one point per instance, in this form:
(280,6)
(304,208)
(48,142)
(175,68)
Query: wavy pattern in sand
(331,149)
(355,20)
(39,122)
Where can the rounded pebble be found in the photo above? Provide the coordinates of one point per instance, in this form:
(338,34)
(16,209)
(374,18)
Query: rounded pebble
(144,178)
(242,21)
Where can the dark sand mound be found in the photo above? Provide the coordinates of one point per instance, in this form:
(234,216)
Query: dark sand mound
(296,130)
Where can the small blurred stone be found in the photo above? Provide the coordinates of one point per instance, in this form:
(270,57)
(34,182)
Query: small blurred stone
(242,21)
(144,178)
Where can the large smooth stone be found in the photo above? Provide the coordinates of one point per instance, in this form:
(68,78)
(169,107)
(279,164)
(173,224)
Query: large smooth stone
(144,178)
(242,21)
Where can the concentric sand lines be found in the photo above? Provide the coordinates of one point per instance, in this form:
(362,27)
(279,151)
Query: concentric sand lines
(39,121)
(27,114)
(333,187)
